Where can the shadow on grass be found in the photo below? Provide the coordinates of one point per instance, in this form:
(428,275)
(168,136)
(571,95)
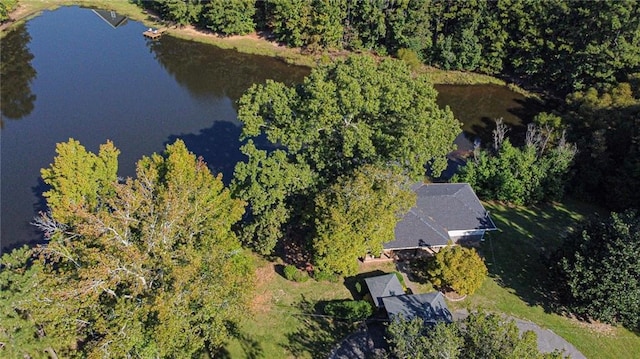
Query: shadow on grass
(250,347)
(517,255)
(352,283)
(318,334)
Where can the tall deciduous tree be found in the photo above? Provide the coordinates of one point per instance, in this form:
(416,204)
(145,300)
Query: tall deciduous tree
(154,271)
(344,116)
(354,112)
(598,270)
(270,182)
(230,17)
(356,216)
(79,179)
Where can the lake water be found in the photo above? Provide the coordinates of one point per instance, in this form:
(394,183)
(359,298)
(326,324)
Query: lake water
(71,74)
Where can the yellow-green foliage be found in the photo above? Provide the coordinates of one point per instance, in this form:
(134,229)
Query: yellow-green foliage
(356,216)
(457,268)
(151,262)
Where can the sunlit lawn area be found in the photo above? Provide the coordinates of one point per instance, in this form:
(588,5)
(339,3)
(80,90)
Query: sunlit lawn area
(518,284)
(280,326)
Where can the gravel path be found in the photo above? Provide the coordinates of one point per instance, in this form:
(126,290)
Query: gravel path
(548,341)
(370,338)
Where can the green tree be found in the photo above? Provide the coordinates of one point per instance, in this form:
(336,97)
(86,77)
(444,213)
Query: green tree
(536,172)
(270,182)
(6,7)
(598,271)
(344,116)
(230,17)
(183,12)
(407,338)
(356,216)
(606,128)
(493,336)
(79,179)
(480,335)
(156,271)
(368,18)
(20,334)
(290,21)
(351,113)
(457,268)
(408,27)
(327,18)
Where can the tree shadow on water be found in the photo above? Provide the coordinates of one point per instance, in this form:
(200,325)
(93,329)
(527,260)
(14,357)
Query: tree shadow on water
(219,146)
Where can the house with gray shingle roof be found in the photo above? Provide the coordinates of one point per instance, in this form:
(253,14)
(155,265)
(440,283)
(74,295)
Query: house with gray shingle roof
(387,292)
(443,212)
(383,286)
(431,307)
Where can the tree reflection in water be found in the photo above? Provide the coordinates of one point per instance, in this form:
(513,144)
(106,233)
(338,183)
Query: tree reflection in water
(17,74)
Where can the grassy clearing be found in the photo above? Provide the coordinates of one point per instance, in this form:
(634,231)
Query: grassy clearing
(519,287)
(280,325)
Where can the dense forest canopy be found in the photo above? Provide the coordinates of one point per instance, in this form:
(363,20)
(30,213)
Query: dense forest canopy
(561,45)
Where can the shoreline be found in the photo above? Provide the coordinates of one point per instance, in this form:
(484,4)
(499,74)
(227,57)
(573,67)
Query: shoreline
(256,43)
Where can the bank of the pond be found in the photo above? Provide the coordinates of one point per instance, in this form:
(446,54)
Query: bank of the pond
(254,44)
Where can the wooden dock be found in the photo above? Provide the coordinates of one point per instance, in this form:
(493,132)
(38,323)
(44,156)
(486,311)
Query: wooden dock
(152,34)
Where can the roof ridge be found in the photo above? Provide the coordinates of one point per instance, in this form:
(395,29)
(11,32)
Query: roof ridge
(388,284)
(474,195)
(420,217)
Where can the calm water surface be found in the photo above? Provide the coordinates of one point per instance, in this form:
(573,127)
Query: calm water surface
(68,73)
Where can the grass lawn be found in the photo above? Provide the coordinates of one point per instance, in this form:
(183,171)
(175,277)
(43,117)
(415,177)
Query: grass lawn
(280,324)
(284,321)
(517,285)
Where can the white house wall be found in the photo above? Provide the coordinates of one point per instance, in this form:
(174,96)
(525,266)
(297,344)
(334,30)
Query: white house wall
(458,234)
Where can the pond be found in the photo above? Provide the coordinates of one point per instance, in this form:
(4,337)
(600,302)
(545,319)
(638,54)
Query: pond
(92,76)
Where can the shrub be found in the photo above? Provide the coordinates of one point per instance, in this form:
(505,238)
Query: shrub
(351,310)
(358,287)
(457,268)
(300,276)
(290,272)
(321,275)
(410,57)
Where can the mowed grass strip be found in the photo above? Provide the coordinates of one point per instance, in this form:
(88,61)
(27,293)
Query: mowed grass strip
(519,285)
(285,321)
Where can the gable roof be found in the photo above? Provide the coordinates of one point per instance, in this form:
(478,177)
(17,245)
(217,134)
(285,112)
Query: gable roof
(431,307)
(383,286)
(112,18)
(440,208)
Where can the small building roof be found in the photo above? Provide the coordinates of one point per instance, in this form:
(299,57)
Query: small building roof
(440,208)
(431,307)
(383,286)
